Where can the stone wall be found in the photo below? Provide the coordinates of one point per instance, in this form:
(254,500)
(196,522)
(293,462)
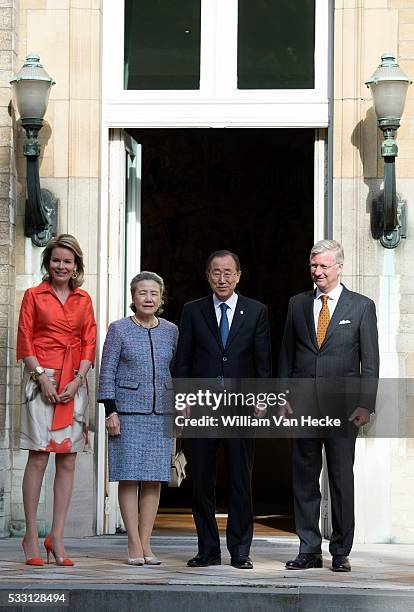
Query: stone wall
(66,35)
(364,29)
(8,35)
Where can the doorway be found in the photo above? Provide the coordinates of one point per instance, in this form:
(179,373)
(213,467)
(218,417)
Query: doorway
(250,191)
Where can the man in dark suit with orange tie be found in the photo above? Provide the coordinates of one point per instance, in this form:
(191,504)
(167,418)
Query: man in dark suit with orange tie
(330,333)
(223,336)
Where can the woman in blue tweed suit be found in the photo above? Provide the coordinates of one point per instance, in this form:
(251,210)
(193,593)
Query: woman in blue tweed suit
(136,388)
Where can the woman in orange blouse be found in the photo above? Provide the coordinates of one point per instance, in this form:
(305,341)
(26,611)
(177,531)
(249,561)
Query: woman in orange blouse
(56,340)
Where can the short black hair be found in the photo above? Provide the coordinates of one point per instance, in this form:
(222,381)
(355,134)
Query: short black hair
(223,253)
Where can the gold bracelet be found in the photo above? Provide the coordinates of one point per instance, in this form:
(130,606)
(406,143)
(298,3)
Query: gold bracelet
(110,415)
(38,371)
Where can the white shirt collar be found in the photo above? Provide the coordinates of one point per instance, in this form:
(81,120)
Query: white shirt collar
(333,294)
(231,302)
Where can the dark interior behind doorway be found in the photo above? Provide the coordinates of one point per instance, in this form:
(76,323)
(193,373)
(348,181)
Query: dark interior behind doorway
(247,190)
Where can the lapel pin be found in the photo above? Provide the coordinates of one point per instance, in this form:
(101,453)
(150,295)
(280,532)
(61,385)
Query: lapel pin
(242,312)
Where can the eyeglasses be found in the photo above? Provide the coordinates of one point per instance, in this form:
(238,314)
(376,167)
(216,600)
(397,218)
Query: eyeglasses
(314,267)
(226,275)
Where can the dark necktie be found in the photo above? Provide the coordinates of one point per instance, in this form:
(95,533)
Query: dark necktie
(323,320)
(224,324)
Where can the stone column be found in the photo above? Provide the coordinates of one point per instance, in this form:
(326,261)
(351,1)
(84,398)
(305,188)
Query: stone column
(364,29)
(66,35)
(7,256)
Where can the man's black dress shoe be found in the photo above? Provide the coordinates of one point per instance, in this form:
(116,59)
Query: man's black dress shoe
(241,562)
(340,563)
(305,561)
(203,561)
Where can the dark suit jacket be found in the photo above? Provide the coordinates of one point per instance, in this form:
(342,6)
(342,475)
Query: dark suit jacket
(349,351)
(200,352)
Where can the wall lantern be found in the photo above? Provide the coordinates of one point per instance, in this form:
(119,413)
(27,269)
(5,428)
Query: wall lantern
(388,87)
(31,88)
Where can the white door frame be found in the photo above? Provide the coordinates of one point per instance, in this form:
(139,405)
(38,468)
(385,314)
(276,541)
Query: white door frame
(110,296)
(132,215)
(114,267)
(112,272)
(216,104)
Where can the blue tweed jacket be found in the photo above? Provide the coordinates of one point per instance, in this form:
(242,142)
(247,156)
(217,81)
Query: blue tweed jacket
(136,367)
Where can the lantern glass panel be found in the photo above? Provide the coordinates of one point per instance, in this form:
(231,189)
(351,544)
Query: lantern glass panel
(32,98)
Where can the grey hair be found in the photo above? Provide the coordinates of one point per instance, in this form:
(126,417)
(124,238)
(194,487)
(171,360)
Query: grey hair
(148,276)
(331,246)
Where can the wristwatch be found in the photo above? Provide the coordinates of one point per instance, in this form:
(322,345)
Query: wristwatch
(38,371)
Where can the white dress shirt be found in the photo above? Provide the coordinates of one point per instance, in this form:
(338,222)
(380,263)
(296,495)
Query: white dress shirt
(231,303)
(333,297)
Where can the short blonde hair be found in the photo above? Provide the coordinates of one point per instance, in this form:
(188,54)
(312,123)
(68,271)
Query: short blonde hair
(64,241)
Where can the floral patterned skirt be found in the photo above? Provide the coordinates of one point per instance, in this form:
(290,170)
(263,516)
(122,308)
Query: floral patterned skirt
(36,419)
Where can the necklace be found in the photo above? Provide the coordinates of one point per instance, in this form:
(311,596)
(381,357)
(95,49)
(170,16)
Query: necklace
(154,323)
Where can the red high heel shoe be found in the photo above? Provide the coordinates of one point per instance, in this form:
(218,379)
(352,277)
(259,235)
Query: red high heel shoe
(37,561)
(59,560)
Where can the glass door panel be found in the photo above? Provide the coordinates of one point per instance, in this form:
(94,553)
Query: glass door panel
(276,44)
(162,44)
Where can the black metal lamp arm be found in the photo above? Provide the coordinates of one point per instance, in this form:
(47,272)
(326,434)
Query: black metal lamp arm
(41,204)
(390,195)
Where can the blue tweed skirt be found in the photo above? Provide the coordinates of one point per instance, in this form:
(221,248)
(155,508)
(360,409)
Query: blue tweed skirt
(143,450)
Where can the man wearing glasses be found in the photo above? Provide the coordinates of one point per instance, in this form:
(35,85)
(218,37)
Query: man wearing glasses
(330,333)
(223,336)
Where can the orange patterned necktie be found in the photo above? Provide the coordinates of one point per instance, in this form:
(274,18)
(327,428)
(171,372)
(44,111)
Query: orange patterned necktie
(323,320)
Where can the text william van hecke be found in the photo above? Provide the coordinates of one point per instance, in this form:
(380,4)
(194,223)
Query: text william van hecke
(278,421)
